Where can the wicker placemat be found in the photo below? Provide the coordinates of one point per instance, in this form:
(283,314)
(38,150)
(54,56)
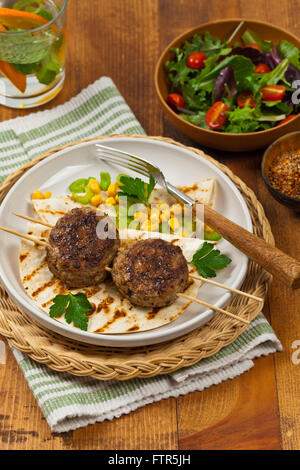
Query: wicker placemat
(105,363)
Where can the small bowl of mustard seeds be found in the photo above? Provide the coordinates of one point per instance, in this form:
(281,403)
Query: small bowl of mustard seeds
(281,170)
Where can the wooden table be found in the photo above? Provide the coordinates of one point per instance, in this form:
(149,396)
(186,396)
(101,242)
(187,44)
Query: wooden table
(261,408)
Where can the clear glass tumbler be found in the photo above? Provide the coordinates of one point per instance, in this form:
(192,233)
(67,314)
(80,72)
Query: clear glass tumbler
(32,51)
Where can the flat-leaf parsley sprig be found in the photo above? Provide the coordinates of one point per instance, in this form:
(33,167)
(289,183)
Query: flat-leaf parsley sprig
(207,260)
(75,308)
(136,189)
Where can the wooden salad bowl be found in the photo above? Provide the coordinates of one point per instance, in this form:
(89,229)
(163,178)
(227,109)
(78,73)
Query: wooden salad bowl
(221,140)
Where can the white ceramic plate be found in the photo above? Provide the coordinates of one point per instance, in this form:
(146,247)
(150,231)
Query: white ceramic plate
(182,167)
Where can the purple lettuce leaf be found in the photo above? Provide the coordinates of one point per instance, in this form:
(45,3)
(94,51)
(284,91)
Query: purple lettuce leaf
(226,76)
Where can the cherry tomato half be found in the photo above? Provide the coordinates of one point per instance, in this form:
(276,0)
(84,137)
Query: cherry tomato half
(287,119)
(262,68)
(254,46)
(272,92)
(175,100)
(246,99)
(196,60)
(215,116)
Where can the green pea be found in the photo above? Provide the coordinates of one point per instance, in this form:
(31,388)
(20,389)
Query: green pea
(105,180)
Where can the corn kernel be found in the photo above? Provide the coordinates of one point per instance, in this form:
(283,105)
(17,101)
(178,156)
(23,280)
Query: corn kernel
(112,190)
(110,201)
(146,226)
(173,223)
(96,200)
(154,212)
(47,195)
(208,229)
(37,195)
(140,216)
(183,234)
(154,226)
(164,216)
(94,186)
(176,209)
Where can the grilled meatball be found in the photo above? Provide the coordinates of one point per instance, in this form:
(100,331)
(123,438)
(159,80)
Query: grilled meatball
(76,255)
(150,272)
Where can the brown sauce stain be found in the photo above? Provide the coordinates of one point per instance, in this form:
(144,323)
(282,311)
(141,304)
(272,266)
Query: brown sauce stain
(133,328)
(104,305)
(34,272)
(43,287)
(46,304)
(23,257)
(48,211)
(118,314)
(153,313)
(174,241)
(90,312)
(45,233)
(89,292)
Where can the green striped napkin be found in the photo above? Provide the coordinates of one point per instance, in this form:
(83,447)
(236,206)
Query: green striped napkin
(69,402)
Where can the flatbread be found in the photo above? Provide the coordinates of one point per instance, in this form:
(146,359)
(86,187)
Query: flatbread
(112,313)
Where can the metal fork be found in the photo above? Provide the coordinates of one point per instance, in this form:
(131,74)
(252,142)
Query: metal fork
(273,260)
(141,166)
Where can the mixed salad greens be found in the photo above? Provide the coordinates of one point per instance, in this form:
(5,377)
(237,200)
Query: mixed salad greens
(239,88)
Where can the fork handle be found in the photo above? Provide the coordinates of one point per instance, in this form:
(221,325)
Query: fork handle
(273,260)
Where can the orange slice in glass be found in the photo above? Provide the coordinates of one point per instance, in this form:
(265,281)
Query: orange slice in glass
(17,78)
(13,19)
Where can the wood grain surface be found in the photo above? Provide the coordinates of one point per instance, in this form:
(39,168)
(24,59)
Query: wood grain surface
(257,410)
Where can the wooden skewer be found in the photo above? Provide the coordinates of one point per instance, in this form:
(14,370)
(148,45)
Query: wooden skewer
(213,307)
(189,297)
(232,289)
(194,276)
(194,299)
(26,217)
(26,237)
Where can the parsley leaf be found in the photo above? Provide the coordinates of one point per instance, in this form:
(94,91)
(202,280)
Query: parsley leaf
(207,260)
(75,307)
(136,188)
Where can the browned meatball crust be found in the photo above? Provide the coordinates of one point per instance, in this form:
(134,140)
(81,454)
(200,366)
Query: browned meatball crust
(76,255)
(150,272)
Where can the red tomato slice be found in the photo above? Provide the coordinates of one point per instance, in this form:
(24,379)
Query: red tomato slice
(246,99)
(272,92)
(196,60)
(287,119)
(175,100)
(255,46)
(215,116)
(262,68)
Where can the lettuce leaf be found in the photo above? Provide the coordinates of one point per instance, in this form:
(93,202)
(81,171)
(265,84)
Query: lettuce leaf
(288,50)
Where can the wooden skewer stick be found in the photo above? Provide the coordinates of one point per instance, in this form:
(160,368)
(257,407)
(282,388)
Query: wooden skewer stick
(194,299)
(213,307)
(189,297)
(194,276)
(31,219)
(232,289)
(26,237)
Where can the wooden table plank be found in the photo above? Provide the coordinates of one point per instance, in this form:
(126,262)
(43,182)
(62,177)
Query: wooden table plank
(259,409)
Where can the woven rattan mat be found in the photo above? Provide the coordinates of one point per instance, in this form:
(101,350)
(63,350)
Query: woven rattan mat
(104,363)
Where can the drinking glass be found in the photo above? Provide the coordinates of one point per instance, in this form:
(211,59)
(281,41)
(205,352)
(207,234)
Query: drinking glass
(32,51)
